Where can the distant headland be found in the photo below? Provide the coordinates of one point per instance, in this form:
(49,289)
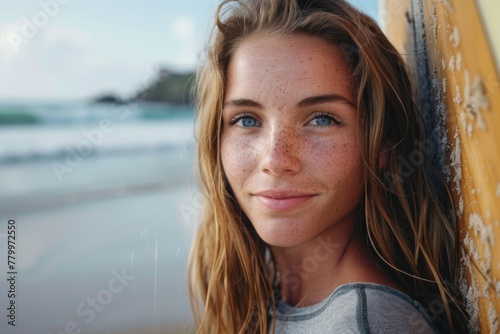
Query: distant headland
(167,87)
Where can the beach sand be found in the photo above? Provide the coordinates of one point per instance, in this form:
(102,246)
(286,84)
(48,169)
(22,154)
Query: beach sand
(118,235)
(181,328)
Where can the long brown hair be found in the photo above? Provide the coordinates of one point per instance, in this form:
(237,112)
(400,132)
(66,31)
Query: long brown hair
(408,222)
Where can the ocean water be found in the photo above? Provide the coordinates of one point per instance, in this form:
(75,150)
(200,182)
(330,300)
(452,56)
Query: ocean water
(105,201)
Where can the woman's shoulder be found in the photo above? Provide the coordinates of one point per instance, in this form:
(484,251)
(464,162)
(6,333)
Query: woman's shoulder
(383,309)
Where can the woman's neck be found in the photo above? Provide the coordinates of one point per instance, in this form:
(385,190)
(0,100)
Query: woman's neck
(312,271)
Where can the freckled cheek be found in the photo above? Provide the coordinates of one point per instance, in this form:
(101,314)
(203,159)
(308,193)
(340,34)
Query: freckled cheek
(238,158)
(336,157)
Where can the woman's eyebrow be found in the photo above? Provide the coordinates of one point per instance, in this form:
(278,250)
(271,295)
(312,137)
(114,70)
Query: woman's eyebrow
(312,100)
(242,103)
(309,101)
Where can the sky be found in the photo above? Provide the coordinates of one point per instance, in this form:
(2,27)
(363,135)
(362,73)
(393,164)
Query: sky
(54,50)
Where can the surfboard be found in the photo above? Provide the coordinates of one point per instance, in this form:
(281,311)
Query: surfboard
(454,48)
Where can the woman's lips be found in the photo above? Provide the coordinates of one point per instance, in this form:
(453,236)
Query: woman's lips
(282,201)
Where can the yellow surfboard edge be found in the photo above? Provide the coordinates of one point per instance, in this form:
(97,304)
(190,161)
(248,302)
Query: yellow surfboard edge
(489,10)
(455,43)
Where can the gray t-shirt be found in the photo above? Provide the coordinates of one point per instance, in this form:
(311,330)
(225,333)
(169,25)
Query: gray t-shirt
(356,308)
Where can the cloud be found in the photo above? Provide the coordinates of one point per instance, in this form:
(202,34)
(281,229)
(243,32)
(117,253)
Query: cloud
(75,37)
(8,33)
(18,39)
(67,59)
(183,29)
(43,66)
(62,63)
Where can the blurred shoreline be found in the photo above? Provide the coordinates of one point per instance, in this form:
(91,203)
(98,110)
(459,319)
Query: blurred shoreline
(130,211)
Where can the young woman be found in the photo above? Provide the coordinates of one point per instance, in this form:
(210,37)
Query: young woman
(305,112)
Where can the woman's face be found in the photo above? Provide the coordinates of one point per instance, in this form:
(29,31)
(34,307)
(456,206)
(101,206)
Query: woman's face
(290,143)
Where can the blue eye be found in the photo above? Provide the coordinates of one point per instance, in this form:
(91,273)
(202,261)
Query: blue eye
(323,120)
(245,121)
(248,121)
(326,119)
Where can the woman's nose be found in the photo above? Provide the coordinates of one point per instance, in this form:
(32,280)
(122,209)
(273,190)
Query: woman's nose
(281,151)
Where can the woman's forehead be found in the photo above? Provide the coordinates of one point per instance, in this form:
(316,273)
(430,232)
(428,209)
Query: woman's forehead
(298,65)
